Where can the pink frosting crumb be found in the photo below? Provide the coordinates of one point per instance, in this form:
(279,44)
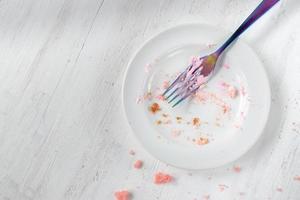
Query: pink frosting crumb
(160,97)
(279,189)
(162,178)
(222,187)
(237,169)
(138,164)
(232,92)
(226,66)
(166,84)
(122,195)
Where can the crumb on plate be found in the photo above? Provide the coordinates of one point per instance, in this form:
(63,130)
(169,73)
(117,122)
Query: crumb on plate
(138,164)
(167,121)
(162,178)
(202,141)
(196,121)
(158,122)
(160,97)
(222,187)
(225,108)
(226,66)
(164,115)
(279,189)
(232,92)
(154,108)
(166,84)
(178,118)
(122,195)
(175,133)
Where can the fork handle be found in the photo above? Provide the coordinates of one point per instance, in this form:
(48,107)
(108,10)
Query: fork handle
(259,11)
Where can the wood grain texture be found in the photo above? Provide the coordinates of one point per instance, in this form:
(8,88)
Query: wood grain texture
(63,134)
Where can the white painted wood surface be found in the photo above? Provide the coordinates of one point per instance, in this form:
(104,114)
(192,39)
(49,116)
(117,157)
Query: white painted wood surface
(63,134)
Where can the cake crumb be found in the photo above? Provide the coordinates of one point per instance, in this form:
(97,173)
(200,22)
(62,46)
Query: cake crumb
(279,189)
(162,178)
(196,121)
(206,197)
(297,178)
(226,66)
(164,115)
(222,187)
(232,92)
(178,118)
(154,108)
(131,152)
(158,122)
(167,121)
(160,97)
(122,195)
(225,108)
(202,141)
(237,169)
(138,164)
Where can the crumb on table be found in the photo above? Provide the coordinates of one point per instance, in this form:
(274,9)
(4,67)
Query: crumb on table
(122,195)
(162,178)
(175,133)
(131,152)
(237,169)
(138,164)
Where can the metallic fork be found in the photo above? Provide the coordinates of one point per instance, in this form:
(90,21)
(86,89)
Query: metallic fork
(201,69)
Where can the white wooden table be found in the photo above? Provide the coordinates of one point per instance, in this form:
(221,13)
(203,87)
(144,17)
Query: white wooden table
(63,134)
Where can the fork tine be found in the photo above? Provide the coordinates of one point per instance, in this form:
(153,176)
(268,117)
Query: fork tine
(176,80)
(173,98)
(184,97)
(171,94)
(171,86)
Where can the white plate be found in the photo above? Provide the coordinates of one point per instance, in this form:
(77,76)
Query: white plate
(176,142)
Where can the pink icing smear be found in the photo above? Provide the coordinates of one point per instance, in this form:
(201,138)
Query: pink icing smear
(230,90)
(162,178)
(122,195)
